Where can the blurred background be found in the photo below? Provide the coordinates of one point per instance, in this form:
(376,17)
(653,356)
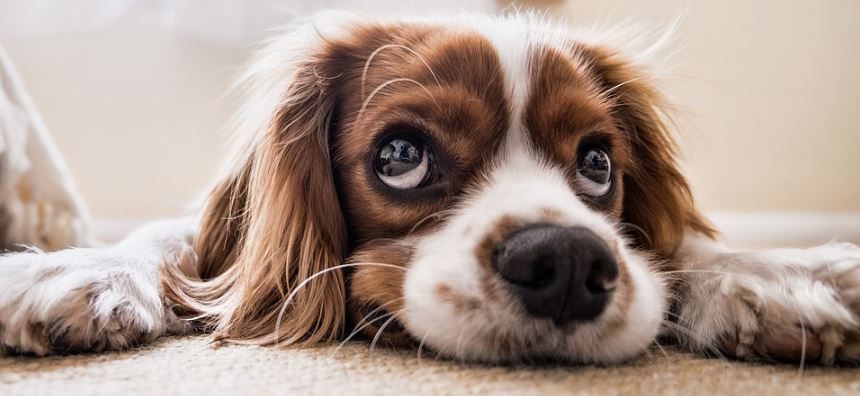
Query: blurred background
(133,91)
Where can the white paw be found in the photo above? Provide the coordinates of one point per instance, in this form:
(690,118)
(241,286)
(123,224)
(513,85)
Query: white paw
(79,300)
(787,304)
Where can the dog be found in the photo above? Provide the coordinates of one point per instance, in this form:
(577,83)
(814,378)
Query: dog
(492,188)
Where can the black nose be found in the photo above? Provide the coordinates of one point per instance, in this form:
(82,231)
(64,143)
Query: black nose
(563,273)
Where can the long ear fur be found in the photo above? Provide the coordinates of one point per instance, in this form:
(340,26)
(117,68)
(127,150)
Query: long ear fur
(273,223)
(657,198)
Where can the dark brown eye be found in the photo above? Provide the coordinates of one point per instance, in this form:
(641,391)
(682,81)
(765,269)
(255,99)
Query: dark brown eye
(594,173)
(402,163)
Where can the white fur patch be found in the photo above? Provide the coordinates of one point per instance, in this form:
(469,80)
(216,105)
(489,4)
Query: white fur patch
(790,304)
(91,299)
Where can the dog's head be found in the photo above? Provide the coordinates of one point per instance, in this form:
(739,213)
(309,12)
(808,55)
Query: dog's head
(494,188)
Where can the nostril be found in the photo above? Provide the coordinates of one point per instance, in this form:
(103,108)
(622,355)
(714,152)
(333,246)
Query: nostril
(602,278)
(599,285)
(538,273)
(541,275)
(544,274)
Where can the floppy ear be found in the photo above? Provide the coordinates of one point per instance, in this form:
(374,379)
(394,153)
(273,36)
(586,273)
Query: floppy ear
(273,225)
(657,198)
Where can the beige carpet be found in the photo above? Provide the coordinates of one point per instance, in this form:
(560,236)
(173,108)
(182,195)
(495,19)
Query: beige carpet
(190,366)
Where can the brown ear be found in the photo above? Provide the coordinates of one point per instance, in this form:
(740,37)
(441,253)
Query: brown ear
(271,228)
(657,198)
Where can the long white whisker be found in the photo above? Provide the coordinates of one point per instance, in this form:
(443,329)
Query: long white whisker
(381,307)
(389,82)
(802,365)
(426,218)
(384,47)
(692,271)
(301,285)
(354,333)
(382,329)
(637,228)
(609,91)
(689,333)
(421,346)
(458,344)
(663,351)
(731,93)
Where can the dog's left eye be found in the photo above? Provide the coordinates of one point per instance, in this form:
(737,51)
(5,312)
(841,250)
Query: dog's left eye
(594,173)
(402,163)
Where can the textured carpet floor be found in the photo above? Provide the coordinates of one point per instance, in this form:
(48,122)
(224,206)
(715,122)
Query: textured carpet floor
(190,366)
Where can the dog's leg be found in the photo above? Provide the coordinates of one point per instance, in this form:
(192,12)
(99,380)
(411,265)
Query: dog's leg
(782,304)
(78,300)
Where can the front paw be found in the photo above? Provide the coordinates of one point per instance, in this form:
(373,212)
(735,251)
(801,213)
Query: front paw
(788,305)
(78,300)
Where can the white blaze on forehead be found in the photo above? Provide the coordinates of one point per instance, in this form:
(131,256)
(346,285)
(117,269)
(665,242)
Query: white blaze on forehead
(513,44)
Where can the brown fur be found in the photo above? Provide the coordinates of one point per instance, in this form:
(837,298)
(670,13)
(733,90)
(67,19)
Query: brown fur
(271,226)
(463,111)
(304,199)
(565,109)
(593,93)
(376,290)
(657,198)
(267,219)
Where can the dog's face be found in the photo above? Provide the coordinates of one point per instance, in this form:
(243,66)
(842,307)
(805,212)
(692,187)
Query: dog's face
(478,178)
(490,171)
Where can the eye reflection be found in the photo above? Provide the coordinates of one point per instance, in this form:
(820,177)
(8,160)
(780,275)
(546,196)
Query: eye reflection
(594,173)
(402,163)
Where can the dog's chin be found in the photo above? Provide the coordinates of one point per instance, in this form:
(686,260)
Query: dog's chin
(453,325)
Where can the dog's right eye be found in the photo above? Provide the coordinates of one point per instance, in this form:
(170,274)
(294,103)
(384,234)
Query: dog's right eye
(594,173)
(403,163)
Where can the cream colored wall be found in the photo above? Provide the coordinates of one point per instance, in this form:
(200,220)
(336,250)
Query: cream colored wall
(771,90)
(137,111)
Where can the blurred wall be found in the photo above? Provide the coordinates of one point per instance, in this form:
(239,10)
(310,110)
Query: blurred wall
(137,111)
(770,92)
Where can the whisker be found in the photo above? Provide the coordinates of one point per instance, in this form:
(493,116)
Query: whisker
(459,343)
(387,83)
(364,317)
(382,329)
(384,47)
(802,365)
(305,282)
(689,333)
(365,322)
(693,271)
(637,228)
(357,331)
(731,93)
(663,351)
(421,346)
(428,217)
(605,94)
